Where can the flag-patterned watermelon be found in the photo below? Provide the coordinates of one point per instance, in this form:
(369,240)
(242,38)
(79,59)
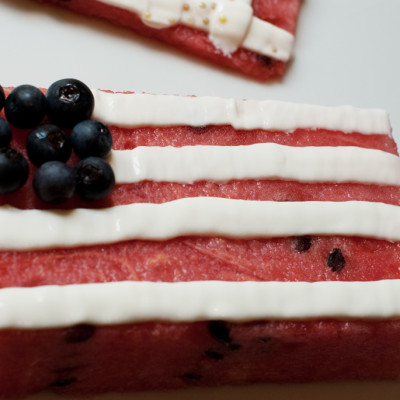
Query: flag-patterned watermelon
(245,241)
(253,37)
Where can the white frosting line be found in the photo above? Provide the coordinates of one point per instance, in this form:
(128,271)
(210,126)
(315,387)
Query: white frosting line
(265,39)
(230,23)
(135,110)
(125,302)
(201,216)
(258,161)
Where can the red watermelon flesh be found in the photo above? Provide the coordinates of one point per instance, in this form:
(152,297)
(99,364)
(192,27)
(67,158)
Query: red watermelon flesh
(87,359)
(282,13)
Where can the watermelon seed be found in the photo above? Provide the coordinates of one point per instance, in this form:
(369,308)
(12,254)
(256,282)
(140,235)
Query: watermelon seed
(264,59)
(199,129)
(235,346)
(214,355)
(65,370)
(193,376)
(79,333)
(336,261)
(220,331)
(263,340)
(302,244)
(63,382)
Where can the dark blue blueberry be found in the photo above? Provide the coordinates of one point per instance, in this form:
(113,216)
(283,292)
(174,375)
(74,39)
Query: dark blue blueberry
(14,170)
(54,182)
(5,133)
(91,138)
(2,98)
(94,178)
(25,107)
(69,101)
(48,143)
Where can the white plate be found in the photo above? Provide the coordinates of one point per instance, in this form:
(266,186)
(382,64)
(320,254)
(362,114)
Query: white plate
(347,52)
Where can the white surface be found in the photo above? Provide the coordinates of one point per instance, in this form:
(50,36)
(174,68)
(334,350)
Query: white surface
(346,52)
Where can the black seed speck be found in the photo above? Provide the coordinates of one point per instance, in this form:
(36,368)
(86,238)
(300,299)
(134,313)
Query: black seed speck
(214,355)
(302,244)
(336,261)
(65,370)
(79,333)
(235,346)
(199,129)
(193,376)
(63,382)
(267,61)
(264,339)
(220,331)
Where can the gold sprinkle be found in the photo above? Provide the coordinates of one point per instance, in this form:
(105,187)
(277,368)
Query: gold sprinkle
(206,21)
(274,49)
(203,5)
(213,6)
(222,19)
(147,14)
(172,21)
(185,7)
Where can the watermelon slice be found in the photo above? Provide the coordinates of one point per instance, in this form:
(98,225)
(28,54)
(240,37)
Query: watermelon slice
(258,42)
(102,353)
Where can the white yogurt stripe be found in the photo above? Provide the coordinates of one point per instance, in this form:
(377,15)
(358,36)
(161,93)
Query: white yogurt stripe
(135,110)
(126,302)
(258,161)
(199,216)
(230,23)
(266,39)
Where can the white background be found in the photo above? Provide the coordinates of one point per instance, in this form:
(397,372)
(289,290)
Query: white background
(347,52)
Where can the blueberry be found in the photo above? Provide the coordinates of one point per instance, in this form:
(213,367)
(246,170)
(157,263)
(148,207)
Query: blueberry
(94,178)
(69,101)
(47,143)
(54,182)
(2,98)
(5,133)
(14,170)
(91,138)
(25,107)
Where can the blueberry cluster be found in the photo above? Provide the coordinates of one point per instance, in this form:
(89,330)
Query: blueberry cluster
(68,105)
